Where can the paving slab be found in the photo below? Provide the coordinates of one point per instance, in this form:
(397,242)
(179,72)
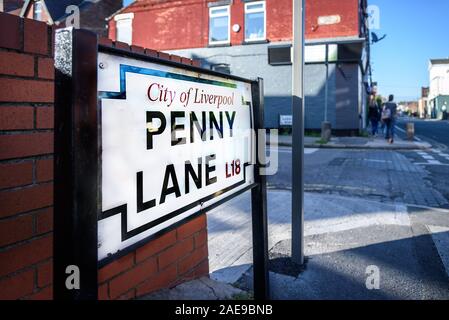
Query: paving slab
(200,289)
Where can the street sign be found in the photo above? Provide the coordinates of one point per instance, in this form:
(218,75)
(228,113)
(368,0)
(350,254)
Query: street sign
(174,142)
(142,145)
(285,120)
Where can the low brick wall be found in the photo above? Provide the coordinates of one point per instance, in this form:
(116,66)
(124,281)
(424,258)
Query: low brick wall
(179,255)
(26,183)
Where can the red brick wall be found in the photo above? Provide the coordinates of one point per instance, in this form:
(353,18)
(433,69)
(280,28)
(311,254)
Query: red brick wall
(170,25)
(26,160)
(179,255)
(348,10)
(26,187)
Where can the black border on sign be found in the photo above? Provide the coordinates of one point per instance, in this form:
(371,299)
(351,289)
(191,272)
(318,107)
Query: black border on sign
(122,209)
(77,167)
(173,226)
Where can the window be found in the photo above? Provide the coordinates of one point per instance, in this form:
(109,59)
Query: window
(124,27)
(255,16)
(219,21)
(37,10)
(280,55)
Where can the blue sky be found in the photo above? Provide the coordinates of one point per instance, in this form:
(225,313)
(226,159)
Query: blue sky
(417,30)
(126,2)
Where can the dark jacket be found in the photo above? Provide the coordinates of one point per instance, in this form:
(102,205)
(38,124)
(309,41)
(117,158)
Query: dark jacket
(374,111)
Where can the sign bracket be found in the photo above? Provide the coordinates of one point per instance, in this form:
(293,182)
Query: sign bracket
(76,186)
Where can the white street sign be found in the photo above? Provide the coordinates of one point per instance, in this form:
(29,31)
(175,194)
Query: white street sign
(285,120)
(173,143)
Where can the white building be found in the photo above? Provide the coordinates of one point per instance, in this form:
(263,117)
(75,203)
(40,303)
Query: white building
(439,77)
(439,86)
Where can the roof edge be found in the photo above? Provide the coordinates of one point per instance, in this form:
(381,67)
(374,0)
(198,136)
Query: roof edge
(120,10)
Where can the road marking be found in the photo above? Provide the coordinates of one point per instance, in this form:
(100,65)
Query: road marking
(431,160)
(432,164)
(307,151)
(380,161)
(310,150)
(400,129)
(440,153)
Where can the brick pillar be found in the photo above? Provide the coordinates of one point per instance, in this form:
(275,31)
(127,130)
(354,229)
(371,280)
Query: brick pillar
(26,160)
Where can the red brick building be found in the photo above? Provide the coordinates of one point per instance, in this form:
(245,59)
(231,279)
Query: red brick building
(173,25)
(252,38)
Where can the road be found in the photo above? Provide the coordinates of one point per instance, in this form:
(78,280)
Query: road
(434,132)
(412,177)
(362,208)
(386,176)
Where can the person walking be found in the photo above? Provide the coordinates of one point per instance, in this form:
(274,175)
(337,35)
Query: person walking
(373,114)
(383,126)
(385,118)
(390,112)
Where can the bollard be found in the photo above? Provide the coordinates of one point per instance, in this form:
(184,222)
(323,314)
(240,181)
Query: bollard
(410,131)
(326,131)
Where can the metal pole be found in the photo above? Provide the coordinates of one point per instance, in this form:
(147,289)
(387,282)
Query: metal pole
(259,202)
(326,86)
(298,133)
(76,165)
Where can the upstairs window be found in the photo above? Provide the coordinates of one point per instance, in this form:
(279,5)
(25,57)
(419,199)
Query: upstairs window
(255,16)
(219,25)
(125,27)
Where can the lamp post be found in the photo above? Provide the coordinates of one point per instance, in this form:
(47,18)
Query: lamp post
(298,133)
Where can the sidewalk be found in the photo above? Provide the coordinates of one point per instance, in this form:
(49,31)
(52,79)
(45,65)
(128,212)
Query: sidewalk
(357,143)
(343,237)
